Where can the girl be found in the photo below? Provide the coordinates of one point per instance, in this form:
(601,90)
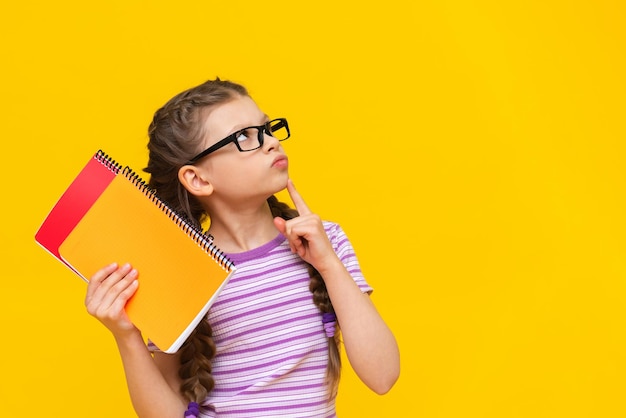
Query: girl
(270,343)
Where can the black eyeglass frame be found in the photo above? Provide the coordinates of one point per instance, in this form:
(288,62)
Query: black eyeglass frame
(266,128)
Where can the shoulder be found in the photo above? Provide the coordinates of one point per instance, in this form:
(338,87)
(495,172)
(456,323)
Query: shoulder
(333,229)
(329,225)
(336,235)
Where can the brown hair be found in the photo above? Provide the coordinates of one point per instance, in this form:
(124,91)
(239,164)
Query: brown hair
(175,135)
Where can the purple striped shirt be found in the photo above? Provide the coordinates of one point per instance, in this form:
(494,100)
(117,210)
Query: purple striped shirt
(271,347)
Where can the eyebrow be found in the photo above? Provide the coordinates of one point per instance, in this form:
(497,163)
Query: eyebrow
(239,127)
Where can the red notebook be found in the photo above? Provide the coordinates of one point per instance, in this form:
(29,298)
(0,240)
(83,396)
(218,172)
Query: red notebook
(109,214)
(75,202)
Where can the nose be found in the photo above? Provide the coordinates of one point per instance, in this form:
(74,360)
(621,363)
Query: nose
(269,142)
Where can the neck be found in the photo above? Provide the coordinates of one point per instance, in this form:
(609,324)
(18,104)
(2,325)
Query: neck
(236,232)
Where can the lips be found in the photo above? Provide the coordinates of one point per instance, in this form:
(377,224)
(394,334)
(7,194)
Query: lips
(280,161)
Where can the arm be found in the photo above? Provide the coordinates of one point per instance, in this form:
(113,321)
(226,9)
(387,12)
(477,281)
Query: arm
(370,345)
(152,392)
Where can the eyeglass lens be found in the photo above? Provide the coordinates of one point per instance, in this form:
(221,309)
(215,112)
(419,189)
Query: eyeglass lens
(252,138)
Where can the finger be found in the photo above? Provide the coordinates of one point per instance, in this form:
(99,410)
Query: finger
(111,286)
(281,225)
(113,305)
(297,200)
(96,280)
(127,280)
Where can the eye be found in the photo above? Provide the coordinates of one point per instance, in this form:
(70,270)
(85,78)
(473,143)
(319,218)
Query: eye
(244,135)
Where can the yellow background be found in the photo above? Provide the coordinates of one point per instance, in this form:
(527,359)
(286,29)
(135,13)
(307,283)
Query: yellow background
(471,149)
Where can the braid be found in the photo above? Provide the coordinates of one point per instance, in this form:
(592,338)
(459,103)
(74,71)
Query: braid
(176,133)
(281,209)
(195,363)
(323,303)
(320,299)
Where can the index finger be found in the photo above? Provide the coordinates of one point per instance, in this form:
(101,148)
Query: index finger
(297,200)
(96,280)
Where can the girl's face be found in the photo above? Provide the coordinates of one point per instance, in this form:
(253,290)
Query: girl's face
(239,177)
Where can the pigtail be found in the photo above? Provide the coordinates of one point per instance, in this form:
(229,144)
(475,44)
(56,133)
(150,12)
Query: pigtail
(320,299)
(195,363)
(281,209)
(176,133)
(323,303)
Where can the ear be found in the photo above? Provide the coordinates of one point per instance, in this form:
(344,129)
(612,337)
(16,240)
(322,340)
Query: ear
(194,180)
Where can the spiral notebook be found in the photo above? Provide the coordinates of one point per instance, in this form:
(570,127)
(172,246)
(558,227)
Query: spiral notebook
(109,214)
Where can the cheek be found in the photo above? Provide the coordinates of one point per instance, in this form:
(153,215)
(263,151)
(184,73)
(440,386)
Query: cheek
(231,172)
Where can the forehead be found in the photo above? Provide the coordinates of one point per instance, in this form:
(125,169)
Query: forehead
(226,118)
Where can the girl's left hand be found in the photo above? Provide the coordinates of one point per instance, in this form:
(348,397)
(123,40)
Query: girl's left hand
(305,233)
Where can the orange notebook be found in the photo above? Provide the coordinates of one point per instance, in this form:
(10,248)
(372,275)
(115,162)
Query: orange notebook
(181,271)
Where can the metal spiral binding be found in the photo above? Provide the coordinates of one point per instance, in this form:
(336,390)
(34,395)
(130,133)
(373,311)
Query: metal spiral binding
(190,229)
(108,162)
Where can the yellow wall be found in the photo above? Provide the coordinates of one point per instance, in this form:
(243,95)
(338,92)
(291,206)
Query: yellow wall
(471,149)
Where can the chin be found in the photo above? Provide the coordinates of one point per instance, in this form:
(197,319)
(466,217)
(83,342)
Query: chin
(280,185)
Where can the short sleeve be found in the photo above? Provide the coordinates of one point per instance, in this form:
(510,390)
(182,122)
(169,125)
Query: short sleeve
(344,250)
(152,347)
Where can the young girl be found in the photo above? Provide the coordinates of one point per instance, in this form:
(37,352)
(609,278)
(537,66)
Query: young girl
(270,343)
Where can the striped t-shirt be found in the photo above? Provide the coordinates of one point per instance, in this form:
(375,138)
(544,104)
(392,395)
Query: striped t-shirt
(271,348)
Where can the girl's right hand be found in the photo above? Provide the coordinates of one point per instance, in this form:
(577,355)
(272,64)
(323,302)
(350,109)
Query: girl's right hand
(107,293)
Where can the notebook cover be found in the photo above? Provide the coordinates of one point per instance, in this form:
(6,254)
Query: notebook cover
(178,280)
(74,203)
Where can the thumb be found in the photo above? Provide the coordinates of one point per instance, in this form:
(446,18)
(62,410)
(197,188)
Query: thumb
(279,223)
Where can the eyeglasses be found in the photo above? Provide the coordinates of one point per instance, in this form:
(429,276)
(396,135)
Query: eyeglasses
(250,138)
